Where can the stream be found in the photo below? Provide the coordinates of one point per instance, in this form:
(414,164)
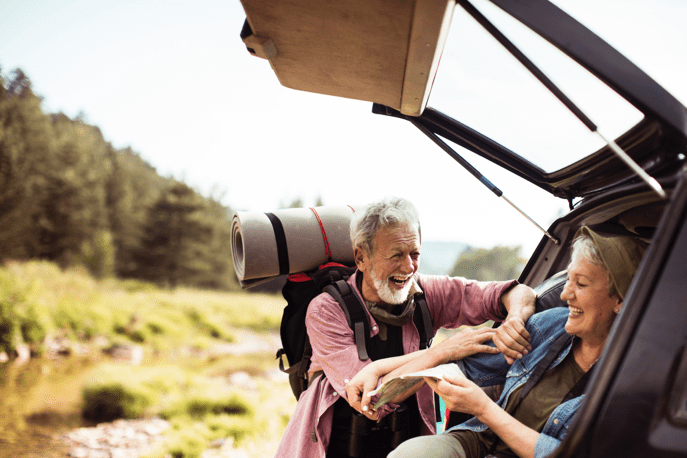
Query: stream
(40,400)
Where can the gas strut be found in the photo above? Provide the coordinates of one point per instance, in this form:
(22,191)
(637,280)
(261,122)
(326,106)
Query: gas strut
(524,60)
(467,166)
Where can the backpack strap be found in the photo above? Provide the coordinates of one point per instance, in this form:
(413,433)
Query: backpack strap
(425,327)
(355,313)
(280,238)
(298,373)
(423,321)
(357,318)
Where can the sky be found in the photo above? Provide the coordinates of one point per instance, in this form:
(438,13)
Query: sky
(172,80)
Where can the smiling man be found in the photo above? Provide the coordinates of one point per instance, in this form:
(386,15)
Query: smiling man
(386,242)
(388,273)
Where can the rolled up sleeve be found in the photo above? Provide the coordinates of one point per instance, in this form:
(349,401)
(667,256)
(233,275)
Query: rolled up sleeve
(545,446)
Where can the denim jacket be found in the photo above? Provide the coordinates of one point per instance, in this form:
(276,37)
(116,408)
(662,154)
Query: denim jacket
(488,370)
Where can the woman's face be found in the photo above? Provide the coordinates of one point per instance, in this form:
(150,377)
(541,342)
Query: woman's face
(591,309)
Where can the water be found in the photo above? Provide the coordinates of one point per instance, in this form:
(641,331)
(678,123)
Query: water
(40,400)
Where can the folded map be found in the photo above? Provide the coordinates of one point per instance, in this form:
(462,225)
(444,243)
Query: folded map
(397,385)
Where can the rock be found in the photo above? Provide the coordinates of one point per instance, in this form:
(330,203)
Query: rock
(23,354)
(119,439)
(242,380)
(79,452)
(57,346)
(131,353)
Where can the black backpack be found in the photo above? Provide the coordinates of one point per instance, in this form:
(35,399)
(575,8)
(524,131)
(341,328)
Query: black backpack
(300,289)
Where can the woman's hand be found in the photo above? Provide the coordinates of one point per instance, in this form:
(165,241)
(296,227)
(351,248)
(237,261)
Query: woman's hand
(461,395)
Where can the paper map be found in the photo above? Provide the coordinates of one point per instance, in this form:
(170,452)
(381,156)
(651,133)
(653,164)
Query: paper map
(397,385)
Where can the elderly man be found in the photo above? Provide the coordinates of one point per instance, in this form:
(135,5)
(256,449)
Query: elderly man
(386,242)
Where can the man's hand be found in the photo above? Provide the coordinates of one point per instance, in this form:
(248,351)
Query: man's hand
(465,343)
(512,339)
(357,389)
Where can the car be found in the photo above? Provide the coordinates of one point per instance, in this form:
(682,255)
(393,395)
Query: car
(630,180)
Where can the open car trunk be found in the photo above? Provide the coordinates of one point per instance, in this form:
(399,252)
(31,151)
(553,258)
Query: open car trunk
(388,53)
(392,53)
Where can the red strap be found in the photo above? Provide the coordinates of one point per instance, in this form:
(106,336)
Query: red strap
(299,277)
(303,277)
(327,250)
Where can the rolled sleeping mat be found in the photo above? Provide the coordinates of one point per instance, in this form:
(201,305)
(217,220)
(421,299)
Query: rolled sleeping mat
(266,245)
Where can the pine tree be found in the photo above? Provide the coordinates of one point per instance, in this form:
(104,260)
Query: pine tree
(175,239)
(26,147)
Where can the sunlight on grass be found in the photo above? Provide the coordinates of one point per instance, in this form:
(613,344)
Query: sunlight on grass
(41,299)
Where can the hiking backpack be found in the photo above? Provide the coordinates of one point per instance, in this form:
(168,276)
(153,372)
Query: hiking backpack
(331,278)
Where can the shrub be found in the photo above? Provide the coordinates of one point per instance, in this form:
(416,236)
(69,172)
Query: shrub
(33,330)
(9,320)
(98,255)
(265,311)
(115,393)
(189,441)
(191,438)
(207,325)
(156,327)
(205,401)
(136,286)
(8,326)
(113,400)
(234,404)
(239,428)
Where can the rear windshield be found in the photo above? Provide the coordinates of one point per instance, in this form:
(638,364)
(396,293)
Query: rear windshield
(480,84)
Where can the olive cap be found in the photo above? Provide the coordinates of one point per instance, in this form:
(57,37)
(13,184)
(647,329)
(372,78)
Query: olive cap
(621,256)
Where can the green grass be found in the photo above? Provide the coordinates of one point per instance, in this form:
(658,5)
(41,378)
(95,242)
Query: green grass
(38,299)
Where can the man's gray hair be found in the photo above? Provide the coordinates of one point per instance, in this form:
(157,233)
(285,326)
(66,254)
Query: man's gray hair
(393,211)
(584,247)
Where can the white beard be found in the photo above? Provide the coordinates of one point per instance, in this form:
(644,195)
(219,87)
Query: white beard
(386,293)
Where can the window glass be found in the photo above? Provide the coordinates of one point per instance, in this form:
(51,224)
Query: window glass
(480,84)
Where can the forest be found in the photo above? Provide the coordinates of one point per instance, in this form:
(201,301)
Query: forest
(68,196)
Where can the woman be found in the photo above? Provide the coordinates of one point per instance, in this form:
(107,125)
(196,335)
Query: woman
(543,389)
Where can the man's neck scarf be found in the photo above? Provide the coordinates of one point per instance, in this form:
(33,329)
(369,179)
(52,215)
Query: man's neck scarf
(382,312)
